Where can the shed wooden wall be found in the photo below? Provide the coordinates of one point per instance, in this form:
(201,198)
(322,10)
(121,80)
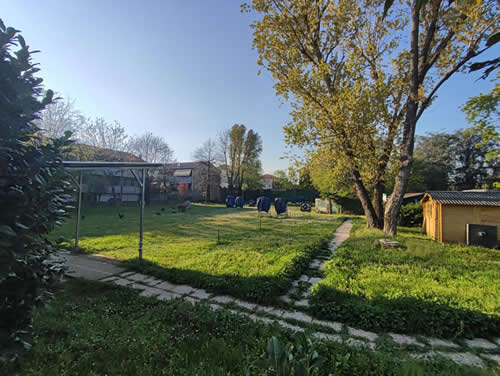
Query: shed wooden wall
(455,219)
(431,219)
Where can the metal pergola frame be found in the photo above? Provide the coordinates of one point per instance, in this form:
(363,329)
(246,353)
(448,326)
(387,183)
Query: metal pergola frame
(80,167)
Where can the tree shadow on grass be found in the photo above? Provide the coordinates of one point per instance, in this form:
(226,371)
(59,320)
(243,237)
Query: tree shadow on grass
(259,289)
(403,315)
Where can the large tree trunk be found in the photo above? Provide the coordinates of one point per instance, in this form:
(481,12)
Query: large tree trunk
(406,150)
(366,203)
(378,191)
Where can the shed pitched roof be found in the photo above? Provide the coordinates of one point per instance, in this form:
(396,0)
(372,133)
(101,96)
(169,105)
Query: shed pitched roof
(464,198)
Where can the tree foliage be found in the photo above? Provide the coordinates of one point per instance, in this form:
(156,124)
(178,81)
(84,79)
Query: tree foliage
(33,191)
(327,59)
(240,151)
(352,80)
(150,148)
(59,117)
(208,156)
(103,134)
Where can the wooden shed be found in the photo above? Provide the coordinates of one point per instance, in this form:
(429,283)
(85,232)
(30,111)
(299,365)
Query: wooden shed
(450,216)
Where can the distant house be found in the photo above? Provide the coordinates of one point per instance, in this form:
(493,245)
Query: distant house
(190,180)
(461,216)
(411,198)
(267,181)
(106,185)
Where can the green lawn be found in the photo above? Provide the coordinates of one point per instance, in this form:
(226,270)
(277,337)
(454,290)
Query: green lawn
(91,328)
(251,260)
(428,288)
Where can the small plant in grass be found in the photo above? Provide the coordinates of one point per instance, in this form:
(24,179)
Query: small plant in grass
(288,359)
(33,194)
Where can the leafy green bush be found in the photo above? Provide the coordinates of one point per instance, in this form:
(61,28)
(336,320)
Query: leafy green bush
(411,215)
(33,193)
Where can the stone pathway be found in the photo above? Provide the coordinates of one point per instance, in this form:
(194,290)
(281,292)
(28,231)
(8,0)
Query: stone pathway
(477,352)
(298,295)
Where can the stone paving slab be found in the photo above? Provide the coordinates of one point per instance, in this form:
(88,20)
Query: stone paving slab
(315,280)
(292,327)
(258,318)
(404,340)
(285,298)
(370,336)
(122,282)
(302,303)
(139,277)
(247,305)
(200,294)
(223,299)
(337,326)
(297,315)
(81,266)
(110,279)
(126,274)
(192,300)
(151,291)
(480,343)
(467,358)
(152,281)
(167,295)
(328,336)
(442,343)
(138,286)
(182,289)
(493,357)
(165,286)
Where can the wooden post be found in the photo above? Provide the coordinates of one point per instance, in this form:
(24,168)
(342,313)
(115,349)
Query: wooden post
(142,212)
(79,209)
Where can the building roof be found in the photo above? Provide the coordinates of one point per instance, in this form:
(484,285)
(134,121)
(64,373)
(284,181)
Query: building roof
(93,165)
(490,198)
(268,176)
(83,152)
(185,165)
(407,195)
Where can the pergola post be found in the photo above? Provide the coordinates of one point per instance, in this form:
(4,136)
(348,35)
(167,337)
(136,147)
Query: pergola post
(79,209)
(143,186)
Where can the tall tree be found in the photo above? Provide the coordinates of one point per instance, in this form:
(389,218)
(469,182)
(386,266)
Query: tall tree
(281,180)
(207,154)
(329,59)
(59,117)
(475,168)
(351,80)
(240,152)
(151,148)
(102,134)
(435,159)
(443,37)
(482,111)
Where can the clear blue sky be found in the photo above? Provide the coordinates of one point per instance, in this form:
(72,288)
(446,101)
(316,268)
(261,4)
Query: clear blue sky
(183,70)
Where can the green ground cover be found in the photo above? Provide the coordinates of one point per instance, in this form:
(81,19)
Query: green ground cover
(221,249)
(427,288)
(91,328)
